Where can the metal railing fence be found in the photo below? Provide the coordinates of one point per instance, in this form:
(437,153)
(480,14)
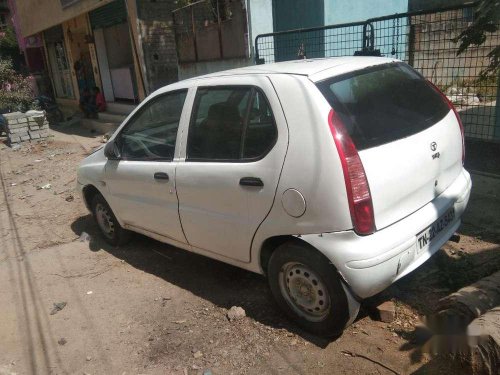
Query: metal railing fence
(424,39)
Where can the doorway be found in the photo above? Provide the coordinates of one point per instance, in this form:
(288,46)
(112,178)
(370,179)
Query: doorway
(116,64)
(114,51)
(58,63)
(78,39)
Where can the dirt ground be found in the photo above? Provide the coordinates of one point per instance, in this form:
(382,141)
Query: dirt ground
(149,308)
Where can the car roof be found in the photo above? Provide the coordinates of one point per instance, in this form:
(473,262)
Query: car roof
(313,69)
(307,67)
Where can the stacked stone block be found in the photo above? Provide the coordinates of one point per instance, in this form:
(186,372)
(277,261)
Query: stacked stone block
(22,127)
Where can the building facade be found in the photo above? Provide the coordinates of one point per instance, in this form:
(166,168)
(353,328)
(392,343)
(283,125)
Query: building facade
(211,35)
(124,47)
(214,35)
(129,48)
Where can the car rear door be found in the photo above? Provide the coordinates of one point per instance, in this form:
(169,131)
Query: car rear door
(236,145)
(142,182)
(407,136)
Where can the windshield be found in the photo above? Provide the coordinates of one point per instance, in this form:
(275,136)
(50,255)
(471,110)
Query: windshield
(383,103)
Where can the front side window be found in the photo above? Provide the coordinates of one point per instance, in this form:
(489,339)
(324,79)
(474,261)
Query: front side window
(230,124)
(152,132)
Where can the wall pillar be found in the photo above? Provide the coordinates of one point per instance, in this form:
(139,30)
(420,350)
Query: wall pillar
(138,55)
(157,42)
(496,133)
(71,59)
(93,55)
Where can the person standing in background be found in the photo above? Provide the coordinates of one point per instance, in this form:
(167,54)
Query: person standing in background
(99,100)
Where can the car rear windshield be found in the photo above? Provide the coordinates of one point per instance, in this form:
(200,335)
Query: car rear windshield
(383,103)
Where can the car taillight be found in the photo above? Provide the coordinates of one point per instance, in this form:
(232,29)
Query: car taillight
(358,191)
(459,120)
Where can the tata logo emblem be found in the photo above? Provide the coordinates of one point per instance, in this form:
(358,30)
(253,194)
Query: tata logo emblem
(434,146)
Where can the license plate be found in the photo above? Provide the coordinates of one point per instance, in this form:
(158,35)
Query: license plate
(425,237)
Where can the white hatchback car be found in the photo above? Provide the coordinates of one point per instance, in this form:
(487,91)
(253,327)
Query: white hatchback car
(333,177)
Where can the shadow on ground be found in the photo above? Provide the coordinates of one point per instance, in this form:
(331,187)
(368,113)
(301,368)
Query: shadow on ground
(76,129)
(226,286)
(482,156)
(455,266)
(222,284)
(446,272)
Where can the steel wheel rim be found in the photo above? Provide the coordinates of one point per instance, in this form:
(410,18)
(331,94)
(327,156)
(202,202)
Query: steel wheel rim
(304,291)
(105,220)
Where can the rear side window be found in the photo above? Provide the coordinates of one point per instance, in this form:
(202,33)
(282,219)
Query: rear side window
(384,103)
(230,124)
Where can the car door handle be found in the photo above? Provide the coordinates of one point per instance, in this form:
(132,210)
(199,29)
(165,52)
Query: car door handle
(161,176)
(251,181)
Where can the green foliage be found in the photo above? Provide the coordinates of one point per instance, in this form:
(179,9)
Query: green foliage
(9,40)
(486,20)
(182,3)
(15,90)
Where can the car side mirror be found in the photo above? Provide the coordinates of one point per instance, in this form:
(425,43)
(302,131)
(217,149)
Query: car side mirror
(111,150)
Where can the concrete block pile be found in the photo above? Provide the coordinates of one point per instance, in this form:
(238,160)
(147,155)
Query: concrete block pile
(29,126)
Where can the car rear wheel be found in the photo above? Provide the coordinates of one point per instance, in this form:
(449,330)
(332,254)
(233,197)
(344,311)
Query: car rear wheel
(109,227)
(308,289)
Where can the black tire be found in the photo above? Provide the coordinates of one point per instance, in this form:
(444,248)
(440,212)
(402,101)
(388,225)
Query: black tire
(321,274)
(117,235)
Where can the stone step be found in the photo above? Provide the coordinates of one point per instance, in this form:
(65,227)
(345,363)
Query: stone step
(100,126)
(112,117)
(120,108)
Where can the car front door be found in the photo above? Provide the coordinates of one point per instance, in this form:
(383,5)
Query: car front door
(235,149)
(142,182)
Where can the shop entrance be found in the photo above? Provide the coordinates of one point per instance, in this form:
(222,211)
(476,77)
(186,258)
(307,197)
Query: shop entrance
(78,42)
(114,52)
(58,63)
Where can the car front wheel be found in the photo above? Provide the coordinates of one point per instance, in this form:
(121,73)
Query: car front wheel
(109,227)
(308,289)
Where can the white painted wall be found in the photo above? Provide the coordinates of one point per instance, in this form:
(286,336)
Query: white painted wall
(118,45)
(261,19)
(343,11)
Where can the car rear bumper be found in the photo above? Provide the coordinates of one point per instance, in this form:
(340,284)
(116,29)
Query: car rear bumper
(369,264)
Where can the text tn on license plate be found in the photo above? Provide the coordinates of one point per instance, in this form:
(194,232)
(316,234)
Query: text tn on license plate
(425,237)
